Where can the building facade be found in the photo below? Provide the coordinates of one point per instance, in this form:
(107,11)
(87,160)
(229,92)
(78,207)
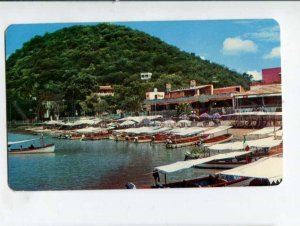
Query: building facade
(271,75)
(202,98)
(105,91)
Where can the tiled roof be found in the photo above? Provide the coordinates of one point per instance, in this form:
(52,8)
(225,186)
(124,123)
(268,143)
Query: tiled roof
(263,89)
(190,88)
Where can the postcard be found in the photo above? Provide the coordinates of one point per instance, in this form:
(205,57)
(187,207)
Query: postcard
(144,105)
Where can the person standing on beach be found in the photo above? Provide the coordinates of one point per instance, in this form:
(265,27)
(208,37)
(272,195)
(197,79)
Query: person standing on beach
(156,177)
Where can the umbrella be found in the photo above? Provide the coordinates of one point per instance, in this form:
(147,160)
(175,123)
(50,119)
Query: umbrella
(216,116)
(205,115)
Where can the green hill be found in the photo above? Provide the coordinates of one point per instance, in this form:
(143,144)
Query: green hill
(71,63)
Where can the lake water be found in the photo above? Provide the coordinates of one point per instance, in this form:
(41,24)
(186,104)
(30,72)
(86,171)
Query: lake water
(104,164)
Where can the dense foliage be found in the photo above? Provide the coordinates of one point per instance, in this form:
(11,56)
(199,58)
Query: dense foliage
(71,63)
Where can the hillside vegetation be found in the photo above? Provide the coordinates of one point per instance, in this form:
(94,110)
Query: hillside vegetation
(68,65)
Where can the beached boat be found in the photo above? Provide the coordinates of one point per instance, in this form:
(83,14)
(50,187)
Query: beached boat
(143,134)
(265,171)
(27,147)
(160,138)
(208,181)
(185,137)
(97,136)
(262,145)
(177,142)
(218,139)
(142,139)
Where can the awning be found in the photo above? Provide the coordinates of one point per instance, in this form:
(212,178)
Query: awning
(255,113)
(239,145)
(190,163)
(267,168)
(264,143)
(127,123)
(89,130)
(21,141)
(217,129)
(265,131)
(188,131)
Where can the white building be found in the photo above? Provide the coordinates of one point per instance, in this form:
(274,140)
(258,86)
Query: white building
(155,95)
(146,75)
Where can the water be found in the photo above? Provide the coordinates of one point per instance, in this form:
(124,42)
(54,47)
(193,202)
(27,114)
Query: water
(104,164)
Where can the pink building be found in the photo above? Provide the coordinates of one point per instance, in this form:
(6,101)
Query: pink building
(271,75)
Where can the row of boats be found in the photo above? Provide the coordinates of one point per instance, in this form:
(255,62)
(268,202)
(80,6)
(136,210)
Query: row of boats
(174,138)
(246,170)
(256,161)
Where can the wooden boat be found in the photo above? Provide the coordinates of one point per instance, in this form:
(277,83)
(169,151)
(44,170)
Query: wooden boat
(226,163)
(49,148)
(142,139)
(178,141)
(160,138)
(96,136)
(75,137)
(209,181)
(218,139)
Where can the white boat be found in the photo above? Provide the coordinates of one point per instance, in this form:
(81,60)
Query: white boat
(265,171)
(26,147)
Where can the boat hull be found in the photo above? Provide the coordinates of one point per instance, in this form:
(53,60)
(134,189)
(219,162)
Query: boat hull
(183,142)
(215,140)
(221,165)
(46,149)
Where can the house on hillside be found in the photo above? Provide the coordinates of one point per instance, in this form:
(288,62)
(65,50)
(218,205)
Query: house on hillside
(105,91)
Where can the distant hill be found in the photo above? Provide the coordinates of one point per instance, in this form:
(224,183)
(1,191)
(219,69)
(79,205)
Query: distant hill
(70,63)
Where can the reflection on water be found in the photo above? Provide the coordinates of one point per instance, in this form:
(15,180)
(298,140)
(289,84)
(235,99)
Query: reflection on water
(102,164)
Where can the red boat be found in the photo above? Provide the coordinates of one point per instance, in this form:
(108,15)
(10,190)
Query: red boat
(97,136)
(160,138)
(178,141)
(139,139)
(218,139)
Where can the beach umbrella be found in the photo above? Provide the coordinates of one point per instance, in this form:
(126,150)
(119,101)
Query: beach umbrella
(205,115)
(216,116)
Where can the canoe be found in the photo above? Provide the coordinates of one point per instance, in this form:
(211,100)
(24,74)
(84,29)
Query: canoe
(38,150)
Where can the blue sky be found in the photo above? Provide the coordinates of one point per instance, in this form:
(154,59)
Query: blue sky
(241,45)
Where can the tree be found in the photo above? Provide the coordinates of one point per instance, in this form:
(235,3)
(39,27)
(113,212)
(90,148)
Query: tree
(73,61)
(183,109)
(94,105)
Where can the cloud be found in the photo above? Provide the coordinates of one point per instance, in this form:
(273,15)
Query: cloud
(275,53)
(265,34)
(256,75)
(234,46)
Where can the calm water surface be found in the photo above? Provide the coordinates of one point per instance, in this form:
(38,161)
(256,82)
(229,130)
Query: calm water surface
(102,164)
